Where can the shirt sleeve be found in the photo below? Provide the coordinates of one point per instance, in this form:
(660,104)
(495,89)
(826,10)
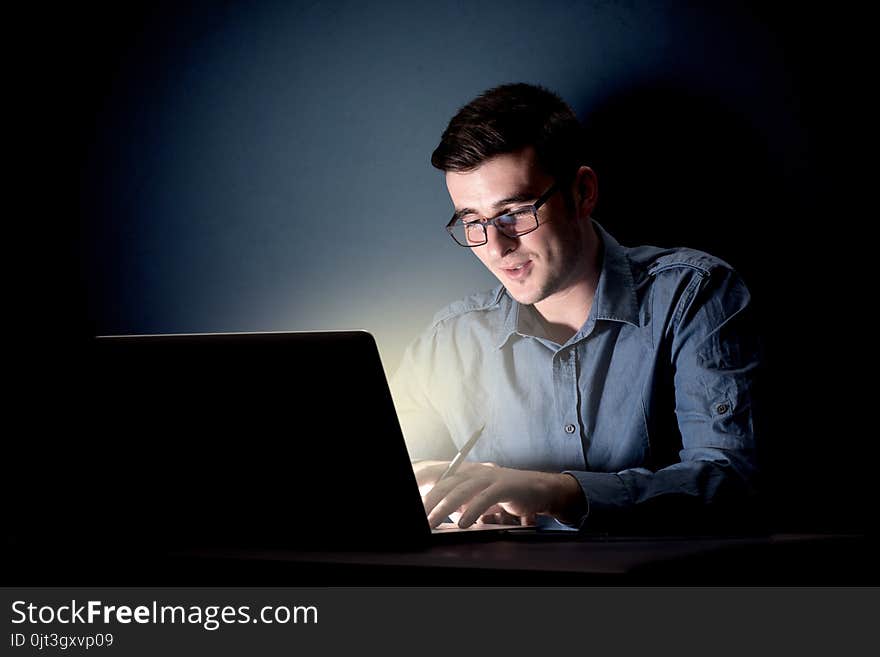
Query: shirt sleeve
(715,356)
(420,420)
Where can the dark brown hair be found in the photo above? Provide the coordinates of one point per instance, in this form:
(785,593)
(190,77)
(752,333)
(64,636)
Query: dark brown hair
(507,119)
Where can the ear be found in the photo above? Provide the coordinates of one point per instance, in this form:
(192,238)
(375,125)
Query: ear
(585,191)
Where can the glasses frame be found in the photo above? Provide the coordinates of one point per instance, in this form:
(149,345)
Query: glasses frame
(494,221)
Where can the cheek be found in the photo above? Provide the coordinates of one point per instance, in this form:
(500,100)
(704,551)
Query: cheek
(547,251)
(562,249)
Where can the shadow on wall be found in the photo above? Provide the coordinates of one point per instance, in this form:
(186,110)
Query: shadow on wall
(677,168)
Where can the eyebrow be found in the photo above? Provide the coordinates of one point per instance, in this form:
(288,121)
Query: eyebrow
(516,198)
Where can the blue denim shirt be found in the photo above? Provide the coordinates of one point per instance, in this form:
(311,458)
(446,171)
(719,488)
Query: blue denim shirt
(650,399)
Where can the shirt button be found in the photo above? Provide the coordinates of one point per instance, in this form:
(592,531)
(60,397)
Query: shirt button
(569,428)
(721,409)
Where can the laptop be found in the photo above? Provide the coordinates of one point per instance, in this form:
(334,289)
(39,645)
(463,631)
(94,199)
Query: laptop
(242,439)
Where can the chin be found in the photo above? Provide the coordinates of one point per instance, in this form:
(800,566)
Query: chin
(524,297)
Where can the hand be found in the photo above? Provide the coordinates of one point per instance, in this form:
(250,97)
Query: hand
(485,490)
(428,472)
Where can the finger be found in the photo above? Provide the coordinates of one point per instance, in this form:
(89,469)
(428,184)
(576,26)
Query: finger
(503,518)
(496,515)
(428,472)
(441,490)
(528,520)
(456,501)
(427,479)
(432,497)
(495,510)
(508,518)
(481,502)
(457,498)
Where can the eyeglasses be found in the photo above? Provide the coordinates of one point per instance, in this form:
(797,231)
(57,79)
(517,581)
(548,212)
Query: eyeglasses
(514,223)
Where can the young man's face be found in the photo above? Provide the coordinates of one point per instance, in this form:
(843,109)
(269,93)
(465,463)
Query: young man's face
(535,266)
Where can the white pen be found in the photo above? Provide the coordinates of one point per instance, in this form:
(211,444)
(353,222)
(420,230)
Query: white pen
(462,454)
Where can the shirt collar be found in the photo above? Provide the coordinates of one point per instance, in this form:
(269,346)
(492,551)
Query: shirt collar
(615,298)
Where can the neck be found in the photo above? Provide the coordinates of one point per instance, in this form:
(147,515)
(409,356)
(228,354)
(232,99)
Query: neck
(565,311)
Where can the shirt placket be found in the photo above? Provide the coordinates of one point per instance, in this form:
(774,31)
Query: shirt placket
(568,426)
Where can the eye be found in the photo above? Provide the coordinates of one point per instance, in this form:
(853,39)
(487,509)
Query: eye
(474,231)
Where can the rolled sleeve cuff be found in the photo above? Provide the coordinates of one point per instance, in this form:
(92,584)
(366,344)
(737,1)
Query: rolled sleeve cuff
(603,491)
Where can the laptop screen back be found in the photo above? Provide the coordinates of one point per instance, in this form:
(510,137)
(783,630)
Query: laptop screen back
(243,439)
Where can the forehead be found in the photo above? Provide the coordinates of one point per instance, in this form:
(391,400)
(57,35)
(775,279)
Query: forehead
(498,178)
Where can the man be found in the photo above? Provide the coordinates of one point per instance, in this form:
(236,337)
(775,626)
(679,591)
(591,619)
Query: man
(604,385)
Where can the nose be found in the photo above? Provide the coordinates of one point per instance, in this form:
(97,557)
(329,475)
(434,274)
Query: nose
(499,244)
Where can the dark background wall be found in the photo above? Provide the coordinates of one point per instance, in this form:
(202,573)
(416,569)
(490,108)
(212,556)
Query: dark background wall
(232,166)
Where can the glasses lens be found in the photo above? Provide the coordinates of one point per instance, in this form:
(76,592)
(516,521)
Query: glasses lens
(468,234)
(511,224)
(518,222)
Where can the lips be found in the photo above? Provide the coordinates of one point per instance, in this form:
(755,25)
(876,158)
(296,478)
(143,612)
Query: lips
(518,271)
